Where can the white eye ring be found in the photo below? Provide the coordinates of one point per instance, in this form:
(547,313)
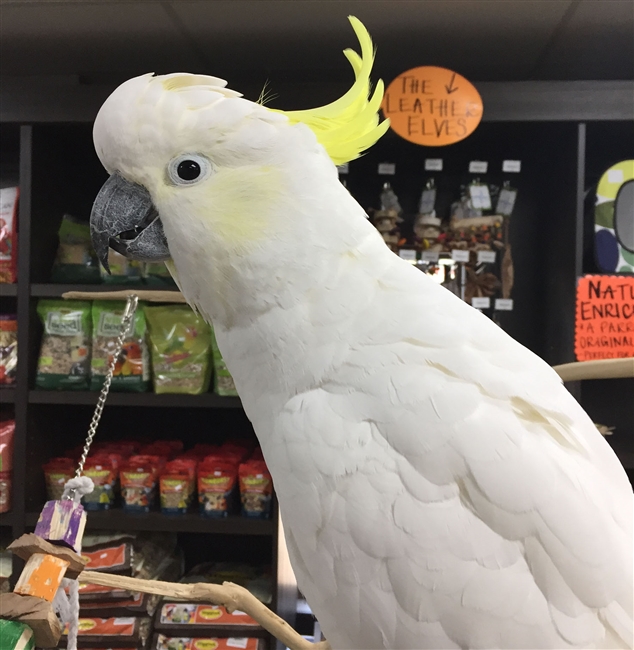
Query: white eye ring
(189,169)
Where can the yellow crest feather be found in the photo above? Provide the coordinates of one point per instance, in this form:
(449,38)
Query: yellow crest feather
(349,125)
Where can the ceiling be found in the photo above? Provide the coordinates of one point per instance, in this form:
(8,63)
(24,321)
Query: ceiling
(301,40)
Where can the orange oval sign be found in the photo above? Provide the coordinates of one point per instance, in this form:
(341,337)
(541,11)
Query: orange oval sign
(432,106)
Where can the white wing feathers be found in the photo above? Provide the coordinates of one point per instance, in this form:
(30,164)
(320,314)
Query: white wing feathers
(446,466)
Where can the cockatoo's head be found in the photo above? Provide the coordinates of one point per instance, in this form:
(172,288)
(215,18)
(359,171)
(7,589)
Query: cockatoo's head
(177,142)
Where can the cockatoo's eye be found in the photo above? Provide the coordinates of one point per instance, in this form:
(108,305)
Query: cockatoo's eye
(188,169)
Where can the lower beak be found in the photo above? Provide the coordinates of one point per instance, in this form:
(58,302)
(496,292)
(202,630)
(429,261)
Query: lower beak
(124,218)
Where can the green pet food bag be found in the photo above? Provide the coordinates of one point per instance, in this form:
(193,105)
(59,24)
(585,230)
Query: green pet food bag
(64,362)
(223,381)
(132,371)
(180,344)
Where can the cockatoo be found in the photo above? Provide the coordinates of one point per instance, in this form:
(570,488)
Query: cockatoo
(438,486)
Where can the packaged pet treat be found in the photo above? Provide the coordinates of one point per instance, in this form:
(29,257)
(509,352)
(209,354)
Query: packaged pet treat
(8,349)
(223,381)
(156,274)
(180,346)
(132,371)
(138,477)
(56,473)
(177,485)
(122,270)
(64,361)
(256,488)
(8,229)
(102,469)
(216,488)
(76,261)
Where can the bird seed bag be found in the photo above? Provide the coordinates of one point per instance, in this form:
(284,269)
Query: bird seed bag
(64,362)
(132,372)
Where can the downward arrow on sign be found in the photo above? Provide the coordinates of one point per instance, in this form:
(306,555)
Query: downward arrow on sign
(450,88)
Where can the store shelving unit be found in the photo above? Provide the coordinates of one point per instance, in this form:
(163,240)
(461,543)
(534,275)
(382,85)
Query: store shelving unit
(554,132)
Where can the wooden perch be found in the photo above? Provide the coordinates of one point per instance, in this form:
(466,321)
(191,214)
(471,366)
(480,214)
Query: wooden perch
(229,595)
(597,369)
(147,295)
(29,544)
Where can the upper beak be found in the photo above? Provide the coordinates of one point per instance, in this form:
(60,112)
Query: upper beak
(124,218)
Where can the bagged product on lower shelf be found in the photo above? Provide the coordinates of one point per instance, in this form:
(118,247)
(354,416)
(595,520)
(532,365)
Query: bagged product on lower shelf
(223,381)
(163,642)
(76,261)
(8,230)
(7,434)
(181,348)
(156,274)
(136,605)
(56,472)
(122,270)
(8,349)
(132,370)
(64,361)
(256,489)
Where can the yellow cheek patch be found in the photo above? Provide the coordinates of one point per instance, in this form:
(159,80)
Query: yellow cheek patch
(241,203)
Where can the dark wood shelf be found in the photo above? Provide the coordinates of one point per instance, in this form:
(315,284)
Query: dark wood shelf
(8,290)
(118,519)
(6,520)
(51,290)
(7,395)
(206,400)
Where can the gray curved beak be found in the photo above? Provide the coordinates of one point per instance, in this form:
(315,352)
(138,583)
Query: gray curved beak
(124,218)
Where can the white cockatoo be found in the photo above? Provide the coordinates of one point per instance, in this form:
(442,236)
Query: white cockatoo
(438,485)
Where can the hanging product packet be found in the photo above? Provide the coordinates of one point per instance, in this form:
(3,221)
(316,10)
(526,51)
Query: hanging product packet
(8,231)
(256,488)
(76,261)
(64,361)
(156,274)
(132,370)
(8,349)
(103,470)
(216,487)
(181,347)
(223,381)
(56,473)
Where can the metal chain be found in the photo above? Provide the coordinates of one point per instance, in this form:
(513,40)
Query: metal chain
(128,315)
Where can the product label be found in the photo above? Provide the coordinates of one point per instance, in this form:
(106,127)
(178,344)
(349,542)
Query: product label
(478,167)
(63,323)
(460,256)
(191,614)
(504,304)
(481,302)
(512,166)
(433,164)
(486,257)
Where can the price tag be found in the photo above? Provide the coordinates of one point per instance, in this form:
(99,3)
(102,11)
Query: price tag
(430,256)
(387,169)
(433,164)
(427,202)
(486,257)
(408,254)
(506,202)
(481,303)
(236,642)
(344,169)
(504,304)
(478,167)
(460,256)
(480,197)
(512,166)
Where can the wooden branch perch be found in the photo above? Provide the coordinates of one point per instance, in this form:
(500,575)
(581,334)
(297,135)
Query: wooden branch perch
(147,295)
(229,595)
(597,369)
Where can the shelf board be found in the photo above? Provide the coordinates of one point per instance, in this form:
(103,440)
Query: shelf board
(118,519)
(6,520)
(206,400)
(51,290)
(8,290)
(7,395)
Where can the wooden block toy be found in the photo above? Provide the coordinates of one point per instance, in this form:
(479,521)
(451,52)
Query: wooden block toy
(62,522)
(25,546)
(37,613)
(16,636)
(42,575)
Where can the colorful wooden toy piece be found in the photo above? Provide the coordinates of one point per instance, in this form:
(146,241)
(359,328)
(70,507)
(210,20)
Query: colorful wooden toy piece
(41,576)
(16,636)
(62,522)
(25,546)
(37,613)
